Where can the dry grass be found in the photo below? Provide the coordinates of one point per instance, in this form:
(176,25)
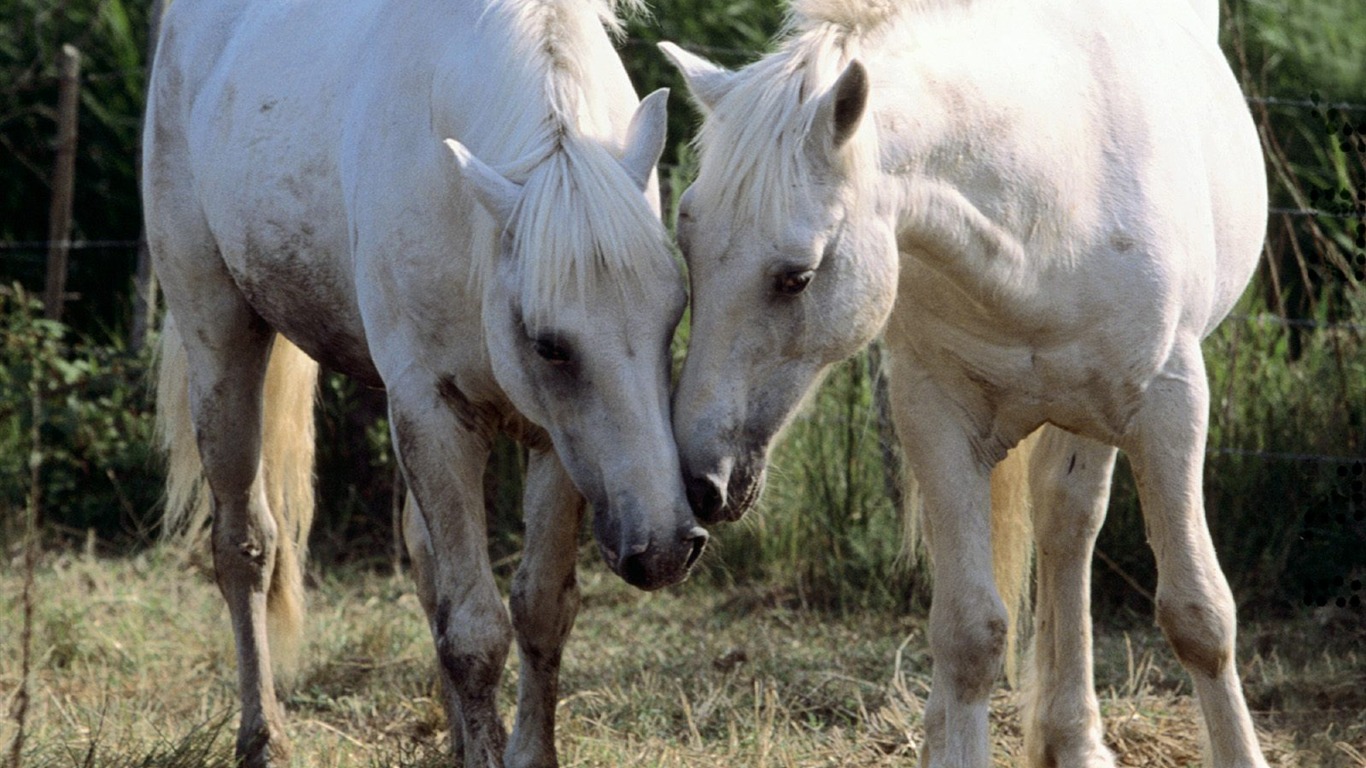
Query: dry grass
(134,667)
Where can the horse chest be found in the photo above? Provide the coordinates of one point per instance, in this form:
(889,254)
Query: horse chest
(1089,381)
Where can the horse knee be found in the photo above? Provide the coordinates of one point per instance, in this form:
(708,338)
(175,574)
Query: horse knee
(472,646)
(543,613)
(1200,631)
(972,650)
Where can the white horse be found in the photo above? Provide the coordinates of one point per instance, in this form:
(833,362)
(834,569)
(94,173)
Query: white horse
(296,183)
(1046,205)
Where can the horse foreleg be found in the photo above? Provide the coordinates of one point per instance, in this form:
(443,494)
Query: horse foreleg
(419,543)
(1070,482)
(228,354)
(544,601)
(1194,605)
(967,618)
(443,459)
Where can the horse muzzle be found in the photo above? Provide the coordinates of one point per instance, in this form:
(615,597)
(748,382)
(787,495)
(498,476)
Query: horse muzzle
(648,561)
(724,496)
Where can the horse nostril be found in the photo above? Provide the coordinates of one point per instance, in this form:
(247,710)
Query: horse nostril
(635,572)
(697,537)
(706,497)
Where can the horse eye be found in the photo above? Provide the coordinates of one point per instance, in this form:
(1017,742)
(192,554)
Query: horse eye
(552,350)
(793,283)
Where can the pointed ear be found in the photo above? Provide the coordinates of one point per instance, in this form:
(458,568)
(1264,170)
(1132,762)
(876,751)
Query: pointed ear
(645,137)
(493,191)
(707,82)
(842,107)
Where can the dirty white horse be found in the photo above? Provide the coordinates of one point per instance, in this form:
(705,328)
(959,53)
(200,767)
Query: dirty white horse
(299,186)
(1045,205)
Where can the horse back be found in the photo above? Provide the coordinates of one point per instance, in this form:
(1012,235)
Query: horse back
(254,108)
(1112,144)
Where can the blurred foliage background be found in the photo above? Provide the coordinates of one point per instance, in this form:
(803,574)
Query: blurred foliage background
(1285,472)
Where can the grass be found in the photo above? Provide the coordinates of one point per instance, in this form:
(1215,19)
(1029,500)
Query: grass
(134,667)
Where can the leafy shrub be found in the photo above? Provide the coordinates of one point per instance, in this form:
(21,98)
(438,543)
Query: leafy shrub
(94,426)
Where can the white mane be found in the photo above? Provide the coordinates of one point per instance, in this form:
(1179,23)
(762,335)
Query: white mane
(581,218)
(756,134)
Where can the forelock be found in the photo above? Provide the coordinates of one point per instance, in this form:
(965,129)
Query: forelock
(753,142)
(583,228)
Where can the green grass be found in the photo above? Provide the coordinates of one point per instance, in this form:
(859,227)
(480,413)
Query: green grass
(134,667)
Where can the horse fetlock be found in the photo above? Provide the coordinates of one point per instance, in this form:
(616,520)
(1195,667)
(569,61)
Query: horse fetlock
(1075,744)
(262,745)
(532,756)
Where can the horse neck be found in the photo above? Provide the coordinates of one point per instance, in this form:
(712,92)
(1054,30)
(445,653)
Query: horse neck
(536,70)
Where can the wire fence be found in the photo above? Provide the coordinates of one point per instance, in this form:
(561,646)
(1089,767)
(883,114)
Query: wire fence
(1339,110)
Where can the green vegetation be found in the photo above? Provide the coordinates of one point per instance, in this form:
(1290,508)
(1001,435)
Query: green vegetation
(93,443)
(769,678)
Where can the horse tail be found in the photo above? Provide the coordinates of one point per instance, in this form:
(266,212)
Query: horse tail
(1012,534)
(287,449)
(1012,544)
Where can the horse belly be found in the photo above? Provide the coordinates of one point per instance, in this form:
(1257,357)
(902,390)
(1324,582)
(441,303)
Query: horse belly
(1080,367)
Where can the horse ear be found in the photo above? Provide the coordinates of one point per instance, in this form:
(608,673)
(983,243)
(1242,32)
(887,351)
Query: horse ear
(842,107)
(645,137)
(707,82)
(493,191)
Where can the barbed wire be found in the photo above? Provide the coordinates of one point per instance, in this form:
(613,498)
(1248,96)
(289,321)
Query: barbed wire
(1285,456)
(1316,213)
(71,245)
(1281,101)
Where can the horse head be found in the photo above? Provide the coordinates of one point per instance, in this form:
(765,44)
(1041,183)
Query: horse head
(578,313)
(792,260)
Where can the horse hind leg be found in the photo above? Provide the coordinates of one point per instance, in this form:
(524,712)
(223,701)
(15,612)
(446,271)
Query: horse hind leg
(1195,608)
(228,351)
(1070,483)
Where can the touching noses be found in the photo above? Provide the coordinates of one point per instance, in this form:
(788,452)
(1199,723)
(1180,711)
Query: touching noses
(706,495)
(652,564)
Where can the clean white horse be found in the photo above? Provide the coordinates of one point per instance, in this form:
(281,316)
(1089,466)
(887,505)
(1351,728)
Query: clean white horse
(296,183)
(1045,205)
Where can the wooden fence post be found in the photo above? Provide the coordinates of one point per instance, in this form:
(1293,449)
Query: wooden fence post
(63,181)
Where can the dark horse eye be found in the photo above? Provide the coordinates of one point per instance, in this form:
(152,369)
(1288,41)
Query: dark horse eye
(552,350)
(793,283)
